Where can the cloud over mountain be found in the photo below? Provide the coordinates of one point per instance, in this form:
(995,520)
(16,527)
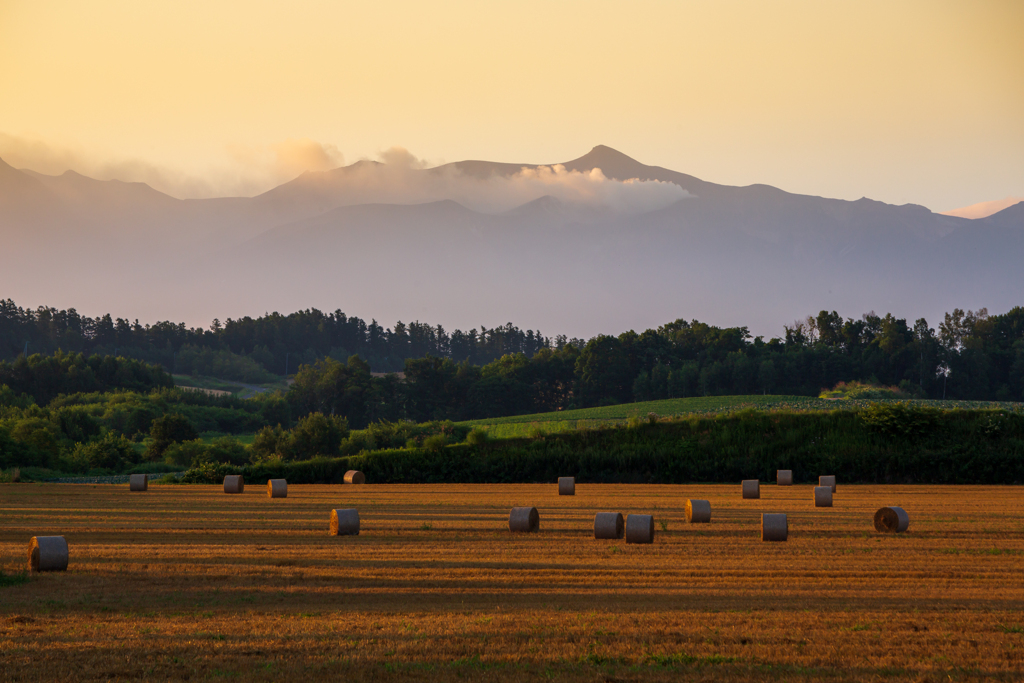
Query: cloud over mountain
(401,178)
(245,170)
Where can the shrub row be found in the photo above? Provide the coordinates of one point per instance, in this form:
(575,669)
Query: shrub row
(890,443)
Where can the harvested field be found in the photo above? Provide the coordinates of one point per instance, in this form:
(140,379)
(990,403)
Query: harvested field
(187,583)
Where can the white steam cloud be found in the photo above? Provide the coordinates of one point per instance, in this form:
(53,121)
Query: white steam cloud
(402,178)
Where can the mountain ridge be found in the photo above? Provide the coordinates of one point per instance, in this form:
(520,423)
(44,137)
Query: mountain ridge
(558,251)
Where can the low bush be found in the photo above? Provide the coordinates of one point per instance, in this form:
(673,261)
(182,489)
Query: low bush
(864,391)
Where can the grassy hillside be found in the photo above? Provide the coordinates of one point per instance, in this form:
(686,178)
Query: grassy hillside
(237,388)
(549,423)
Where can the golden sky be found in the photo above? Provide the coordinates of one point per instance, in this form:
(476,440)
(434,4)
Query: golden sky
(900,101)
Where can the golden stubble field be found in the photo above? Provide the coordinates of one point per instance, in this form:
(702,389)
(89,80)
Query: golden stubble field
(188,583)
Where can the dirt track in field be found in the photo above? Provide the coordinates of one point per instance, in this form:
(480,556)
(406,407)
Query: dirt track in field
(186,582)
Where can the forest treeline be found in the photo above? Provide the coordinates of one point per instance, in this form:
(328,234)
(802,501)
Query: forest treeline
(504,371)
(972,356)
(247,349)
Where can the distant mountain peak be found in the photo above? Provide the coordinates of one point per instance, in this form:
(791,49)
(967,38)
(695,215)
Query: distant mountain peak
(606,153)
(613,163)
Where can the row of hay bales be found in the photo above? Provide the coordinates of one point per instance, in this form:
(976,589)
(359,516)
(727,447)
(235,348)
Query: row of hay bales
(50,553)
(785,478)
(235,483)
(751,488)
(891,519)
(640,528)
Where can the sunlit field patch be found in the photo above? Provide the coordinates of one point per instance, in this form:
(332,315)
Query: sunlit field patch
(185,582)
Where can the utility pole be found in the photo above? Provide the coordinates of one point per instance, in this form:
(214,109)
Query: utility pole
(26,349)
(286,365)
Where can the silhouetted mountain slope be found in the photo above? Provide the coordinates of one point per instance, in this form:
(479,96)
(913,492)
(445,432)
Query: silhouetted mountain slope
(20,195)
(1011,215)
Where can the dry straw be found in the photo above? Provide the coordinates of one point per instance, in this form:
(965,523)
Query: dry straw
(698,511)
(751,488)
(774,527)
(138,482)
(639,528)
(345,522)
(608,525)
(784,477)
(47,554)
(354,477)
(234,483)
(892,520)
(277,488)
(524,520)
(567,486)
(822,496)
(829,480)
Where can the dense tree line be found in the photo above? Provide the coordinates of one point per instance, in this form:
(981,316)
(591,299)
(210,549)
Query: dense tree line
(972,356)
(71,412)
(248,348)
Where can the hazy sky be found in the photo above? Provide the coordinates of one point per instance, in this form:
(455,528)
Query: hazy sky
(904,102)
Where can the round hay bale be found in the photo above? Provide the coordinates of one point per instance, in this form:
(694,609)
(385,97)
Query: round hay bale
(822,496)
(138,482)
(47,554)
(608,525)
(639,528)
(774,527)
(354,477)
(784,477)
(524,520)
(567,486)
(751,488)
(698,511)
(892,520)
(277,488)
(829,480)
(234,483)
(345,522)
